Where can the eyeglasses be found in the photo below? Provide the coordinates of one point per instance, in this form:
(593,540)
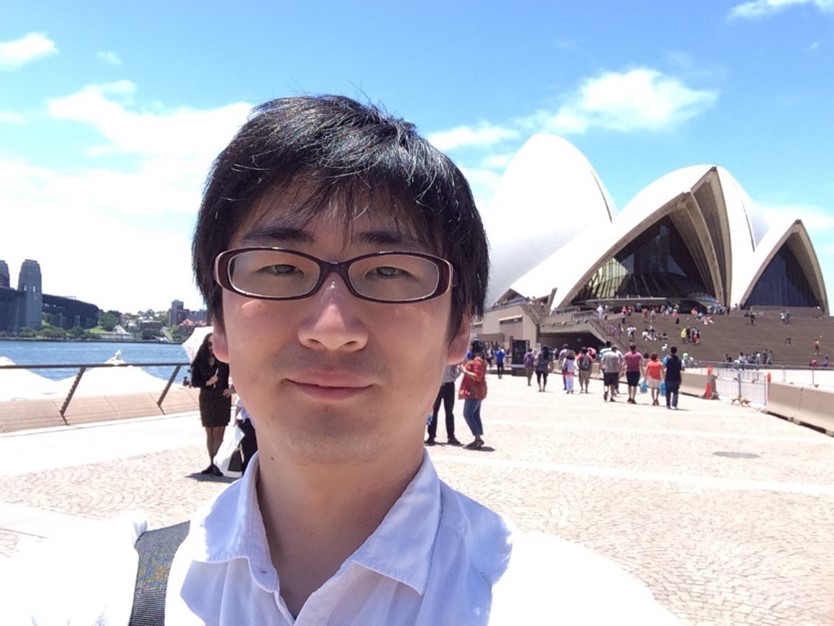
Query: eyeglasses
(279,274)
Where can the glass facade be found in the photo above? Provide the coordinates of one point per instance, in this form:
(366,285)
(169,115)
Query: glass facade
(657,264)
(783,283)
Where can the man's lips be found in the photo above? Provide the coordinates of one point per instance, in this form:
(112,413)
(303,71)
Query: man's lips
(330,384)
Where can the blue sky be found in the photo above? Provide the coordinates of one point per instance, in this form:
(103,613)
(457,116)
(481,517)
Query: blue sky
(111,113)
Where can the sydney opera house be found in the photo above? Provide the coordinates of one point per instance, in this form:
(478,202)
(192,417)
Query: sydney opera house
(692,238)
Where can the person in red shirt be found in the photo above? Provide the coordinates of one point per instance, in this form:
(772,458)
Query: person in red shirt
(633,371)
(654,376)
(473,389)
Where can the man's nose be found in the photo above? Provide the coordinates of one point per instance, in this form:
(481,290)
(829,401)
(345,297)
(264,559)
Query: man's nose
(335,320)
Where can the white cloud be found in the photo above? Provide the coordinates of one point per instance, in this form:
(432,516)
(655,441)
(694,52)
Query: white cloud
(481,135)
(179,133)
(117,236)
(11,117)
(639,99)
(109,57)
(497,161)
(85,246)
(15,54)
(761,8)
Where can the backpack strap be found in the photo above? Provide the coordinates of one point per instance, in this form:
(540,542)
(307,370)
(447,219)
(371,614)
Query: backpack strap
(156,550)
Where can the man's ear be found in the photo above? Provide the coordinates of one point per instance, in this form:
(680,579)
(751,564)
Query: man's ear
(221,344)
(460,341)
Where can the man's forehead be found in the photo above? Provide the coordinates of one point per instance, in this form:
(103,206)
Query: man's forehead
(295,216)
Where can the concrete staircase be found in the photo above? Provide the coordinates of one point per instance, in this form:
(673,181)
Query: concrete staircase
(731,334)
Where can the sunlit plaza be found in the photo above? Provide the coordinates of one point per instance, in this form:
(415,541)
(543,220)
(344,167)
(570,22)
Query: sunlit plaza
(725,512)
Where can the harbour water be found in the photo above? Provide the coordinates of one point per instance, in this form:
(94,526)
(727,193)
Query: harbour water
(58,352)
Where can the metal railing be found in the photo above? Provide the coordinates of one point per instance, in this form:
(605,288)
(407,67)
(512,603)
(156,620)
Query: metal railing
(83,367)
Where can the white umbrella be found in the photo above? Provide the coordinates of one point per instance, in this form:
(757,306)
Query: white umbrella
(193,343)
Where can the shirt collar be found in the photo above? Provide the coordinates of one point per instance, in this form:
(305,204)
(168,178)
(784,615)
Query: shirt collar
(400,548)
(402,545)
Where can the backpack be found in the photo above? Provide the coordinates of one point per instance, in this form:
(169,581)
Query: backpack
(584,362)
(156,550)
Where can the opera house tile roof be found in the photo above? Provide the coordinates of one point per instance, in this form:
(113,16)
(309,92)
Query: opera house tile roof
(690,237)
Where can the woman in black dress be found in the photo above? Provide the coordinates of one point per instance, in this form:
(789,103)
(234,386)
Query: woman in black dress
(212,377)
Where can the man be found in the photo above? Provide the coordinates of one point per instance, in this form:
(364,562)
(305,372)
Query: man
(446,395)
(499,360)
(529,362)
(561,359)
(583,366)
(611,364)
(672,377)
(342,259)
(633,371)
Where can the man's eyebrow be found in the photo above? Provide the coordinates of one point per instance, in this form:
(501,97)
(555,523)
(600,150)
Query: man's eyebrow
(385,237)
(277,232)
(292,234)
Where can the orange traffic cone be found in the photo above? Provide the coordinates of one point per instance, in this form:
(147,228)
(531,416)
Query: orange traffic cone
(708,391)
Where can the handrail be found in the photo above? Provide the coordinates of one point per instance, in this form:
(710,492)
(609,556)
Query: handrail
(83,367)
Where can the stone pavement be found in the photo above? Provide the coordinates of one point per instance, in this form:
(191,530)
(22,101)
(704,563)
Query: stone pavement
(726,513)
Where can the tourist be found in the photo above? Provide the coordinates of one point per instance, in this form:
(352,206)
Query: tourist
(473,390)
(633,364)
(529,363)
(543,366)
(583,368)
(654,376)
(446,395)
(611,365)
(673,368)
(211,376)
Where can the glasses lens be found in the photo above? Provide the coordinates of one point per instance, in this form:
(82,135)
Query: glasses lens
(273,273)
(395,277)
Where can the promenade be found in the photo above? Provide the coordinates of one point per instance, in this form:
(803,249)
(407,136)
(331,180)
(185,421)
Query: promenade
(726,513)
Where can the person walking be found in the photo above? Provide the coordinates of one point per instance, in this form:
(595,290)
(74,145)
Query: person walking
(543,366)
(446,395)
(500,355)
(583,369)
(569,370)
(611,364)
(473,390)
(529,363)
(654,375)
(211,376)
(673,376)
(633,371)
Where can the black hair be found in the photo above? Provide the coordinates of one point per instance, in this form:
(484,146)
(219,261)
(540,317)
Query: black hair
(342,158)
(203,352)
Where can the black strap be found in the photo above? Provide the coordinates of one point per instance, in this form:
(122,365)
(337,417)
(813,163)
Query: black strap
(156,550)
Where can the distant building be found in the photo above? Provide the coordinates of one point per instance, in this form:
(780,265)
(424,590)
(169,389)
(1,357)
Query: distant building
(25,306)
(177,314)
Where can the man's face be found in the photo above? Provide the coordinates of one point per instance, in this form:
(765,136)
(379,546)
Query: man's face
(332,378)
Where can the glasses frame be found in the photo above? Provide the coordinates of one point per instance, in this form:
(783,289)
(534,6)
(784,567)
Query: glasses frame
(223,262)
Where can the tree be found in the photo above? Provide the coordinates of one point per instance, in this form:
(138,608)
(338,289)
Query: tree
(76,332)
(149,333)
(107,321)
(53,332)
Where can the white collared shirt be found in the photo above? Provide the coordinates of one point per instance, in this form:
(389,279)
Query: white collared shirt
(438,558)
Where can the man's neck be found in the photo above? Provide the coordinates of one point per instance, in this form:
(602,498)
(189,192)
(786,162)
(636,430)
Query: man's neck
(317,516)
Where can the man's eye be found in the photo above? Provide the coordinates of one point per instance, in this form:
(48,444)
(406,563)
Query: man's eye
(282,269)
(389,272)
